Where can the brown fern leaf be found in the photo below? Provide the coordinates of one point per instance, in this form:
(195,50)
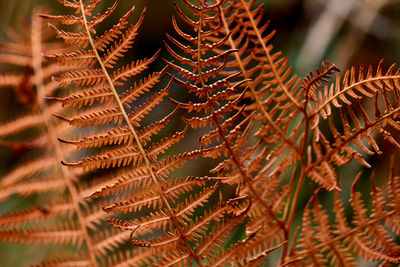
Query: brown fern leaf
(88,97)
(140,177)
(272,89)
(41,174)
(62,234)
(44,175)
(356,87)
(141,181)
(119,135)
(278,100)
(358,131)
(228,139)
(261,145)
(63,259)
(371,237)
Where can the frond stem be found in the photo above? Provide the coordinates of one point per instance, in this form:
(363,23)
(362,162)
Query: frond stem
(136,136)
(295,197)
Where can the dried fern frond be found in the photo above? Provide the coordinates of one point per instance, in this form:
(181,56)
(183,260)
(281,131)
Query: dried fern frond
(206,63)
(369,236)
(141,185)
(41,174)
(230,44)
(358,129)
(355,86)
(266,139)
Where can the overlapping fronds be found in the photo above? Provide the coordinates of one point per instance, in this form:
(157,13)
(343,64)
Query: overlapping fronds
(41,173)
(212,68)
(265,138)
(142,186)
(354,134)
(355,85)
(369,234)
(229,60)
(272,88)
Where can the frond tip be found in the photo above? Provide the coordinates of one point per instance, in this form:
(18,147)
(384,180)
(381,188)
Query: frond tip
(314,80)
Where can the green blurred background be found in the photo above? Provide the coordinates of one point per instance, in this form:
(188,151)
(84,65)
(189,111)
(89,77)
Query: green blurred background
(346,32)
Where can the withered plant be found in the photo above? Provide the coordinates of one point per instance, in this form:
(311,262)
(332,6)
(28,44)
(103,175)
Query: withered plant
(267,136)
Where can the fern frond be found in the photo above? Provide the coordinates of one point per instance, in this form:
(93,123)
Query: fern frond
(130,146)
(357,132)
(80,57)
(211,78)
(262,147)
(126,41)
(17,218)
(131,70)
(370,237)
(355,86)
(61,234)
(63,259)
(140,177)
(42,174)
(101,94)
(118,136)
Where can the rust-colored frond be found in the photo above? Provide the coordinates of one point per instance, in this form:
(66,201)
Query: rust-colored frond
(140,257)
(144,86)
(71,38)
(140,182)
(40,235)
(106,116)
(115,136)
(358,132)
(126,41)
(138,114)
(158,219)
(222,87)
(104,138)
(101,94)
(355,86)
(275,93)
(20,124)
(128,155)
(371,237)
(40,173)
(196,231)
(27,188)
(118,136)
(67,19)
(101,42)
(44,212)
(131,70)
(241,17)
(151,198)
(75,58)
(63,259)
(141,177)
(160,148)
(81,77)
